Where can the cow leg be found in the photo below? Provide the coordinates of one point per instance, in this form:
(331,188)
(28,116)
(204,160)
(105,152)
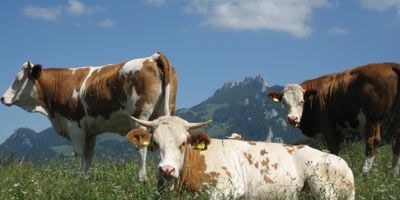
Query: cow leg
(373,139)
(78,144)
(332,137)
(395,145)
(142,164)
(89,151)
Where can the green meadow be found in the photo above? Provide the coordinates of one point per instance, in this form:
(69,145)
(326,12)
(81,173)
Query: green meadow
(117,180)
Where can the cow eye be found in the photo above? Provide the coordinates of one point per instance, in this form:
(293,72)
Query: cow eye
(182,146)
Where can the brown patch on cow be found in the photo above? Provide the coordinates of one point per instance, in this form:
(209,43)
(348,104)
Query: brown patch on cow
(55,88)
(263,152)
(275,166)
(193,175)
(138,137)
(265,163)
(199,137)
(106,87)
(248,157)
(267,179)
(256,164)
(252,143)
(290,148)
(227,171)
(265,170)
(300,146)
(350,185)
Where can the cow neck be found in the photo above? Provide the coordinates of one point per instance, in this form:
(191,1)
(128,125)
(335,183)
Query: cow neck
(193,170)
(52,86)
(43,87)
(310,84)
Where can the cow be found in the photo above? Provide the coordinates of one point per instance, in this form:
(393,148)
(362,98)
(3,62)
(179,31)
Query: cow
(359,98)
(235,136)
(84,102)
(235,169)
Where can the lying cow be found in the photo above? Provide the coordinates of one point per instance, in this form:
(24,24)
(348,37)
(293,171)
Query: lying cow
(84,102)
(239,169)
(358,98)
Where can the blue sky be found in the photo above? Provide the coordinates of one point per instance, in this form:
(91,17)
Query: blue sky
(209,42)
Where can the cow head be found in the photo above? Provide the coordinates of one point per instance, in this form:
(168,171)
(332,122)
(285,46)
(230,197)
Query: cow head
(292,97)
(22,91)
(170,138)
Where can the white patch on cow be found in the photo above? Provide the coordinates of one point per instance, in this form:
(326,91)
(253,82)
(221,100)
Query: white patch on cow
(74,132)
(155,56)
(40,109)
(82,90)
(142,164)
(368,164)
(132,66)
(166,100)
(293,100)
(395,164)
(75,94)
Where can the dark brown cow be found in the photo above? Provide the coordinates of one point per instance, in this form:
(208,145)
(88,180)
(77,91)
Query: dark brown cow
(84,102)
(359,98)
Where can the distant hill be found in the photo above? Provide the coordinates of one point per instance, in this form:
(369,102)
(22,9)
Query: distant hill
(242,107)
(239,107)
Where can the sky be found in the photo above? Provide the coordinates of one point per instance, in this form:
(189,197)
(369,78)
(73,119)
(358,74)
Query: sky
(209,42)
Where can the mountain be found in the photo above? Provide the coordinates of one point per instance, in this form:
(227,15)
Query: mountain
(242,107)
(237,107)
(25,143)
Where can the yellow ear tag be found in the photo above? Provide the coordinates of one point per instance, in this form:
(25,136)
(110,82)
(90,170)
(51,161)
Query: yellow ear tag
(200,146)
(144,143)
(275,99)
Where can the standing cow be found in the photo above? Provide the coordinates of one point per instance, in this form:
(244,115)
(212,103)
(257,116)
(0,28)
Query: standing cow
(84,102)
(359,98)
(238,169)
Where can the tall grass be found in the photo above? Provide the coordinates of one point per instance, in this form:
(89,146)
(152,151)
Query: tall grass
(117,180)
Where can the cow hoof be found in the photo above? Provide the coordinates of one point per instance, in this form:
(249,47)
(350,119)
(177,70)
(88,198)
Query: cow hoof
(368,164)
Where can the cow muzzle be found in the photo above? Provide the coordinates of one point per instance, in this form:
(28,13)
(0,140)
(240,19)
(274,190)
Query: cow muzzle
(3,101)
(294,121)
(167,170)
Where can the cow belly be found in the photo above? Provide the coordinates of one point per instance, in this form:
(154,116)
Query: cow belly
(117,123)
(357,124)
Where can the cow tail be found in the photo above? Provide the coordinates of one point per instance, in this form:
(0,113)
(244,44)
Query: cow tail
(165,67)
(396,69)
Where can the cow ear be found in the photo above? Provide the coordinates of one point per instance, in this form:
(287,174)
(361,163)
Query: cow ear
(35,72)
(199,140)
(275,96)
(139,137)
(309,95)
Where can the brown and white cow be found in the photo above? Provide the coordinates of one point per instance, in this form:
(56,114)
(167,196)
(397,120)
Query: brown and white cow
(84,102)
(358,98)
(240,169)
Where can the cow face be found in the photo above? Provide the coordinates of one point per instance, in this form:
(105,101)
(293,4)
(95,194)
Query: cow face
(171,136)
(292,98)
(22,91)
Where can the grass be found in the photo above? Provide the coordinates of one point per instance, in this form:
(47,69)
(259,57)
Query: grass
(117,180)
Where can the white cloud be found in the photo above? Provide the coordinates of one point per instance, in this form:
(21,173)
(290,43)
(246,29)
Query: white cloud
(381,5)
(278,15)
(337,31)
(49,14)
(157,3)
(74,7)
(107,23)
